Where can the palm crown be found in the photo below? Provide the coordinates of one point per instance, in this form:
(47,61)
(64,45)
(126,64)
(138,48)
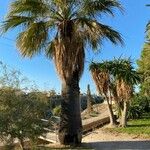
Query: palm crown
(119,71)
(43,22)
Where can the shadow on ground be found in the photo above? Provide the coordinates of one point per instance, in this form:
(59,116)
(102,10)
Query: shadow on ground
(119,145)
(140,125)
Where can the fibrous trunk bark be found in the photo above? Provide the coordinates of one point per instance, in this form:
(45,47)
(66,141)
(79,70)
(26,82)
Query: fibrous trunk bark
(70,130)
(123,122)
(111,114)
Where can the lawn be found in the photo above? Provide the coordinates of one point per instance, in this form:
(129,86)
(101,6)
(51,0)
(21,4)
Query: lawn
(139,127)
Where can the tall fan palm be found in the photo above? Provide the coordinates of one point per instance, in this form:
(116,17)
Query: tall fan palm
(61,29)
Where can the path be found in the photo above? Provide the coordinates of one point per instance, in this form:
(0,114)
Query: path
(102,134)
(119,145)
(101,139)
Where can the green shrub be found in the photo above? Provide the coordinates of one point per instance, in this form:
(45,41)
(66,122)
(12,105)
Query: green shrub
(57,111)
(139,106)
(20,115)
(145,104)
(134,112)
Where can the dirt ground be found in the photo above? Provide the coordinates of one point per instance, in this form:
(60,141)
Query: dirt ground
(103,135)
(101,139)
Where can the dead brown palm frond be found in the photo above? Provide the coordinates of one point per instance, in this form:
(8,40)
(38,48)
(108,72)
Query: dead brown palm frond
(124,90)
(69,57)
(101,80)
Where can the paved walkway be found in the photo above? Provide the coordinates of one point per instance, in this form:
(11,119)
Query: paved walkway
(119,145)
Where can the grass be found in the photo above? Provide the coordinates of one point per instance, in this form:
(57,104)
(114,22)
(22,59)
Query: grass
(139,127)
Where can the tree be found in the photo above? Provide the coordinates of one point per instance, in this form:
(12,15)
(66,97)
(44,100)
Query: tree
(144,65)
(62,29)
(89,100)
(116,79)
(125,79)
(101,76)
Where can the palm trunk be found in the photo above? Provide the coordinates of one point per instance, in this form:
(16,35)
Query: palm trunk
(111,114)
(22,144)
(124,115)
(70,130)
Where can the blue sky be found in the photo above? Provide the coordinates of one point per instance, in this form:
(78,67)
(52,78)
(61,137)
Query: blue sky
(131,24)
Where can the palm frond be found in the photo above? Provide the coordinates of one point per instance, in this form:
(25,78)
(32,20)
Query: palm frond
(27,41)
(97,7)
(108,33)
(49,51)
(148,5)
(29,7)
(94,32)
(15,21)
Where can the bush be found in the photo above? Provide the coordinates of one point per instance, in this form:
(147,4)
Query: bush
(57,111)
(20,115)
(145,104)
(22,108)
(139,106)
(134,112)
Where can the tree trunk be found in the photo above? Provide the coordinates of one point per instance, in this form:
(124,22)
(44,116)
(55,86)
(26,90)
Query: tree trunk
(22,144)
(70,129)
(119,106)
(111,114)
(124,115)
(89,100)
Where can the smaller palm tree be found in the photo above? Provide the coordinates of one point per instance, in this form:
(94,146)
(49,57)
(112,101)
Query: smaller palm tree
(101,76)
(116,79)
(126,77)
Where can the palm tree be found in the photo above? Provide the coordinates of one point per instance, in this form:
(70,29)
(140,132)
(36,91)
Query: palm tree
(101,73)
(61,29)
(125,79)
(116,79)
